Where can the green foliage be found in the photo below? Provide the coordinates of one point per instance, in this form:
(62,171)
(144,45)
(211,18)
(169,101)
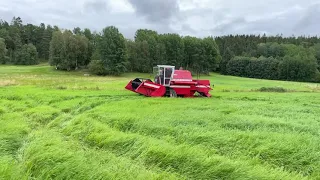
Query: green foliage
(69,51)
(238,66)
(77,31)
(83,50)
(70,46)
(18,34)
(174,49)
(317,77)
(150,48)
(194,55)
(272,89)
(57,53)
(45,42)
(87,33)
(26,55)
(276,61)
(212,57)
(295,68)
(95,54)
(3,51)
(226,58)
(147,53)
(15,34)
(316,50)
(190,51)
(263,68)
(97,67)
(271,47)
(112,51)
(144,58)
(271,50)
(298,68)
(131,51)
(8,40)
(73,49)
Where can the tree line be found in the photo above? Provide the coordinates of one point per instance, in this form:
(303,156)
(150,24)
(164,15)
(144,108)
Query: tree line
(274,57)
(150,48)
(109,53)
(24,44)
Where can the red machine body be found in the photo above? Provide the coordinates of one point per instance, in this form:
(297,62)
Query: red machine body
(170,82)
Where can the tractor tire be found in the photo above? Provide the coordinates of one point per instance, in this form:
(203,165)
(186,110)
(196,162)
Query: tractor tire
(172,93)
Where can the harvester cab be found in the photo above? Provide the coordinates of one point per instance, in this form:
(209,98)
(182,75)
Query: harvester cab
(170,82)
(163,74)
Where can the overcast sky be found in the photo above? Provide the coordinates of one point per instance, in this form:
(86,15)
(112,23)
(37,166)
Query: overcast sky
(186,17)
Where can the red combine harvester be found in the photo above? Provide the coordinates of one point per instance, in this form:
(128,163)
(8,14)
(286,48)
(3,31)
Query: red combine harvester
(170,82)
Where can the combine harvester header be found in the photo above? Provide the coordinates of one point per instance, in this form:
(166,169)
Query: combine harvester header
(171,83)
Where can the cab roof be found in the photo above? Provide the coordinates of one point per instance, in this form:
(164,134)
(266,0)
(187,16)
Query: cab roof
(165,66)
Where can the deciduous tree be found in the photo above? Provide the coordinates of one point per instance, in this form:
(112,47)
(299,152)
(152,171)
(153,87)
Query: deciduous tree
(112,51)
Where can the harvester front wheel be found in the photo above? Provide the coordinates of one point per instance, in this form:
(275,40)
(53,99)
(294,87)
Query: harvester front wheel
(172,93)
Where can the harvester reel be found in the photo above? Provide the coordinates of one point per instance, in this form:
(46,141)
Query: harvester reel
(136,83)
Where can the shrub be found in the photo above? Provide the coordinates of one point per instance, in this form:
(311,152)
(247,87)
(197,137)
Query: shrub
(317,77)
(3,52)
(298,68)
(237,66)
(272,89)
(27,55)
(97,67)
(263,68)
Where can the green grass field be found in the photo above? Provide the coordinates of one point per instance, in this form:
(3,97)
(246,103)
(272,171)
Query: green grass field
(64,125)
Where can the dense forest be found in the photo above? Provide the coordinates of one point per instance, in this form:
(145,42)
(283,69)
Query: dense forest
(109,53)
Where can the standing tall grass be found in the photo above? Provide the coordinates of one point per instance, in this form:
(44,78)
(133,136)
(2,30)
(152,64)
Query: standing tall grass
(84,132)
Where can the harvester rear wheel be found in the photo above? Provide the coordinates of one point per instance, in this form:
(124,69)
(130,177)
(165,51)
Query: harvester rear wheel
(202,94)
(172,93)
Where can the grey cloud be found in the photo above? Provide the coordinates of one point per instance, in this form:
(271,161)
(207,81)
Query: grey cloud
(229,26)
(6,15)
(186,17)
(278,26)
(272,21)
(156,11)
(188,29)
(96,6)
(310,19)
